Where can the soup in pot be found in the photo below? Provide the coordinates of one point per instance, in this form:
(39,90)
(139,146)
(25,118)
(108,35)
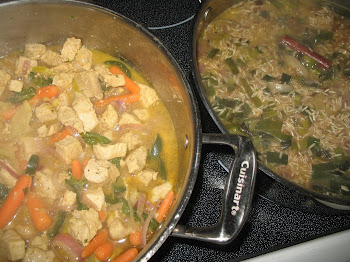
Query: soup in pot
(88,156)
(279,72)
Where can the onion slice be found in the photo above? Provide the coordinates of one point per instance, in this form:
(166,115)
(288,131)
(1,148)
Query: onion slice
(9,169)
(66,248)
(76,134)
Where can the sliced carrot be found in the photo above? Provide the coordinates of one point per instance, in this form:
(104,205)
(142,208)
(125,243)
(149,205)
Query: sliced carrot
(102,215)
(11,205)
(165,206)
(135,238)
(59,136)
(77,169)
(129,84)
(9,113)
(127,256)
(47,91)
(94,243)
(38,213)
(104,251)
(127,99)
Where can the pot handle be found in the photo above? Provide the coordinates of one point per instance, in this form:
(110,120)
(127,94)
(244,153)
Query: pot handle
(238,193)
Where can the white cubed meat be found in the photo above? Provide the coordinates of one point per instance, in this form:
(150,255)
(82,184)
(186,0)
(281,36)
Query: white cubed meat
(128,118)
(70,48)
(45,131)
(34,51)
(16,85)
(85,111)
(63,80)
(147,175)
(51,58)
(45,112)
(68,149)
(108,78)
(109,118)
(34,254)
(108,152)
(68,199)
(84,225)
(94,198)
(118,228)
(149,96)
(68,117)
(63,99)
(88,83)
(44,186)
(108,134)
(83,59)
(24,65)
(159,192)
(62,177)
(4,79)
(136,160)
(100,172)
(142,114)
(29,146)
(131,139)
(41,242)
(6,178)
(63,68)
(12,245)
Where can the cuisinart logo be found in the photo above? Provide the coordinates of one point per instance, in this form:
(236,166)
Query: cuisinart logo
(239,187)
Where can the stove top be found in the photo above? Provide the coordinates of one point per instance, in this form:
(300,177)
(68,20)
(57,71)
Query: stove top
(279,217)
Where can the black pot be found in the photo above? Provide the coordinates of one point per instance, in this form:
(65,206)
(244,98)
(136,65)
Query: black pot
(208,11)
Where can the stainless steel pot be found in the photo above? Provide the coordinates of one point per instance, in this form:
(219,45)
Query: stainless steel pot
(51,22)
(209,10)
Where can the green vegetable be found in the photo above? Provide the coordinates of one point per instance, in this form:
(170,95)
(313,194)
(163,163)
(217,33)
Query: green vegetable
(61,217)
(4,191)
(213,52)
(118,186)
(76,186)
(91,138)
(26,94)
(116,161)
(38,80)
(272,127)
(277,158)
(157,147)
(153,225)
(286,79)
(111,199)
(161,169)
(232,65)
(32,165)
(268,78)
(314,145)
(121,65)
(247,88)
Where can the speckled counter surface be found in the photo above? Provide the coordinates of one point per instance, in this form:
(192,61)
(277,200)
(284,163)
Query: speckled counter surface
(279,217)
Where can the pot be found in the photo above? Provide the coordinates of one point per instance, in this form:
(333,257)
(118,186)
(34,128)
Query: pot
(51,22)
(208,11)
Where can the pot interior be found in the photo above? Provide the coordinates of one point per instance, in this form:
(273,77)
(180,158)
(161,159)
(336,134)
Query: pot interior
(51,22)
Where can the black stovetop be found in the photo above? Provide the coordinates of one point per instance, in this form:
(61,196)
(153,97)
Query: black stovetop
(279,216)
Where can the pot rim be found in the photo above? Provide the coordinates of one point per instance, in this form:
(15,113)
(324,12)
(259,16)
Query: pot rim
(194,144)
(325,200)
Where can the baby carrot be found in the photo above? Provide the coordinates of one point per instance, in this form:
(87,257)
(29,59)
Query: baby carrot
(38,213)
(102,215)
(47,91)
(9,113)
(135,238)
(104,251)
(165,206)
(94,243)
(127,256)
(77,169)
(129,84)
(59,136)
(14,200)
(127,99)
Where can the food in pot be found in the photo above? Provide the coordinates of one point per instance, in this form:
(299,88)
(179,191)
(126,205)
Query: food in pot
(88,156)
(279,72)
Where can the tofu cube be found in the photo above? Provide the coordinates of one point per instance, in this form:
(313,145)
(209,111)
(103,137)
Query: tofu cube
(100,172)
(34,51)
(95,198)
(149,96)
(136,160)
(51,58)
(4,79)
(45,112)
(15,85)
(131,139)
(13,244)
(45,187)
(147,175)
(159,192)
(68,117)
(128,118)
(68,149)
(89,84)
(108,78)
(70,48)
(63,80)
(108,152)
(83,59)
(68,199)
(24,65)
(109,118)
(85,111)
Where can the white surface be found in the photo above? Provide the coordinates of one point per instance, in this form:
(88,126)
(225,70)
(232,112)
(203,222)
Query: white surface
(331,248)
